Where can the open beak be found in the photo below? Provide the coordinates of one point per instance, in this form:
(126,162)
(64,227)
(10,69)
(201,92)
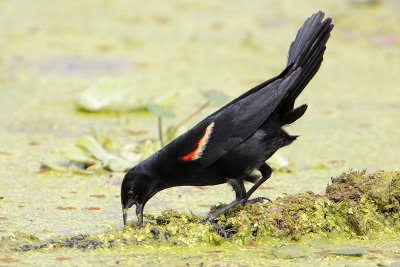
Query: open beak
(139,213)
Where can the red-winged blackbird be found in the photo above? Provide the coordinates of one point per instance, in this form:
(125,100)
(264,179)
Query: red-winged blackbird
(238,138)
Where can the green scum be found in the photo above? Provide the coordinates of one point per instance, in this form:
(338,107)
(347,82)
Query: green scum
(356,206)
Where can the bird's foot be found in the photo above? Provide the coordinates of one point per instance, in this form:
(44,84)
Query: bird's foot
(224,233)
(255,200)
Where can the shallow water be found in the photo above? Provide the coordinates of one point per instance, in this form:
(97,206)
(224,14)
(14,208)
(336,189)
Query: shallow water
(51,51)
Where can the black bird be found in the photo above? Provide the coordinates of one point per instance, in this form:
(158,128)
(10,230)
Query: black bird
(228,145)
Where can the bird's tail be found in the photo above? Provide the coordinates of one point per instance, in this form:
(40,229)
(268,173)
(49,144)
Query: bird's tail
(305,52)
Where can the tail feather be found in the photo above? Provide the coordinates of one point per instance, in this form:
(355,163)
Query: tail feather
(306,52)
(310,35)
(304,57)
(293,115)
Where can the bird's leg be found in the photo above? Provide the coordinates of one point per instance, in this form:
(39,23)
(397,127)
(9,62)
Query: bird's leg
(266,172)
(240,191)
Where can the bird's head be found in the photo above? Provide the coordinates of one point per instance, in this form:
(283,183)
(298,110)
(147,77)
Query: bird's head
(137,188)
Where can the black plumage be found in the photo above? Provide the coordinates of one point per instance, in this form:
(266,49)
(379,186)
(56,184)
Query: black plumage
(228,145)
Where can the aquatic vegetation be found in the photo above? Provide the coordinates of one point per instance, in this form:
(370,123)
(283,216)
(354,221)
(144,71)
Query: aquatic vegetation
(356,206)
(105,95)
(89,155)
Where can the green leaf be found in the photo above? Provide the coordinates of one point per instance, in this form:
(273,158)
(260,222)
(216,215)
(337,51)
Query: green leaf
(160,111)
(55,166)
(64,167)
(215,97)
(89,144)
(104,95)
(104,140)
(78,155)
(109,161)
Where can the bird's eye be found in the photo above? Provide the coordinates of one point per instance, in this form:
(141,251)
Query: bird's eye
(130,194)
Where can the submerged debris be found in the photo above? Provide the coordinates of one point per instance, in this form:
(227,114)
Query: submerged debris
(356,205)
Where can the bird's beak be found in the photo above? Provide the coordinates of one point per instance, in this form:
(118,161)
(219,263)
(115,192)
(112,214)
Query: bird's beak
(139,213)
(124,214)
(125,209)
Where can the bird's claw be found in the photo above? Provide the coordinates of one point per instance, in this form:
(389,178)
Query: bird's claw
(255,200)
(224,233)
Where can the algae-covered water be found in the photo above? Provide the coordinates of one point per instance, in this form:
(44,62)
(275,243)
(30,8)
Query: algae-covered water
(53,50)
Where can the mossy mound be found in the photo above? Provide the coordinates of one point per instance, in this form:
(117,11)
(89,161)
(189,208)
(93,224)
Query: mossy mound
(356,205)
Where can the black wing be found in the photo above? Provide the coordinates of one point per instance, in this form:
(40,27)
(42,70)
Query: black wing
(226,128)
(219,133)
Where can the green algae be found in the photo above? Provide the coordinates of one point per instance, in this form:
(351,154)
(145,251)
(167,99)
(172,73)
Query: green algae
(374,212)
(356,206)
(52,51)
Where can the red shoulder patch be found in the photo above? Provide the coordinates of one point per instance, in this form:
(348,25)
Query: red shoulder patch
(200,145)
